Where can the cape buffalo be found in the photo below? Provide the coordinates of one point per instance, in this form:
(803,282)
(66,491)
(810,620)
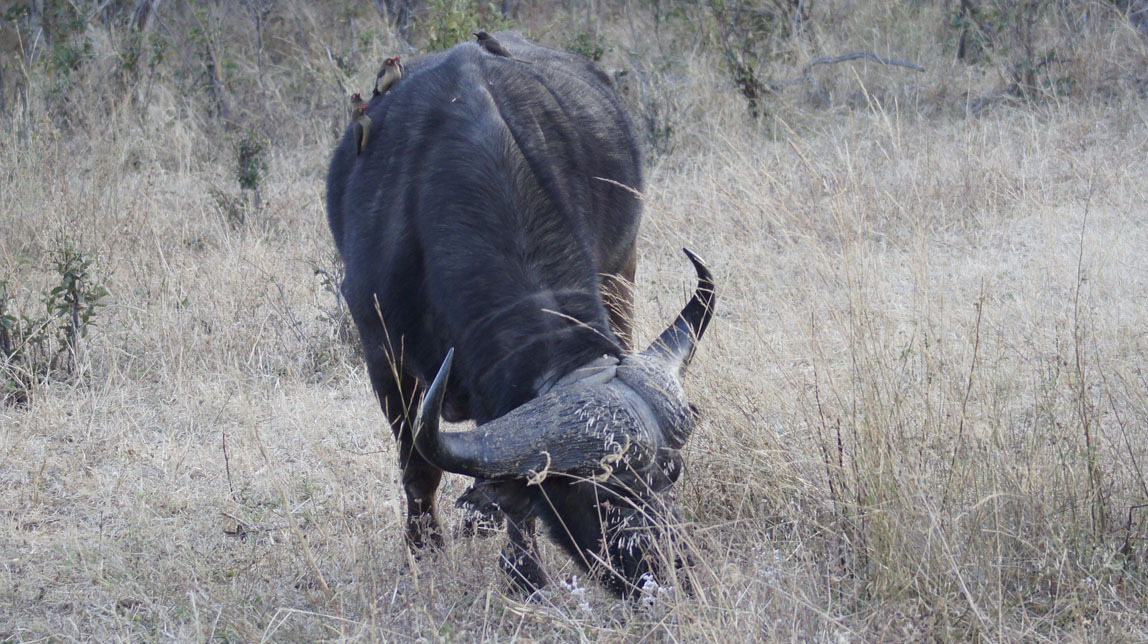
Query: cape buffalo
(489,226)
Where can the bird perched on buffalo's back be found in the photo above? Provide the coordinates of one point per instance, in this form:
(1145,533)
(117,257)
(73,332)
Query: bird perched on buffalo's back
(390,73)
(360,122)
(490,44)
(356,103)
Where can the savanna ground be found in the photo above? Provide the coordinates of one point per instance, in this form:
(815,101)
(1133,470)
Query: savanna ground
(924,394)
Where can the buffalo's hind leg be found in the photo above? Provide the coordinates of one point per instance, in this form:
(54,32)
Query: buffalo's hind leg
(399,400)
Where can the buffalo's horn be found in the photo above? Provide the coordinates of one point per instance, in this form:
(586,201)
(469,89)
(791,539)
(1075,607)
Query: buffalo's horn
(581,429)
(676,344)
(426,422)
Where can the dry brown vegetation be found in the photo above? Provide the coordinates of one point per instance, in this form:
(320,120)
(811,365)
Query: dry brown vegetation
(925,392)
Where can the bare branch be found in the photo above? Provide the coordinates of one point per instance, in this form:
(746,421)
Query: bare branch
(861,54)
(807,71)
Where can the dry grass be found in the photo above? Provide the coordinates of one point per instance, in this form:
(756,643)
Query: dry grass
(924,394)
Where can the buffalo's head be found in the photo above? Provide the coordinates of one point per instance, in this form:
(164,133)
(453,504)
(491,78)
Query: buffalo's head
(593,453)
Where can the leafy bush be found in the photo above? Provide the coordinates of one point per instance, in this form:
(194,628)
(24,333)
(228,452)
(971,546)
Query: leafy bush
(73,302)
(745,30)
(588,45)
(251,165)
(36,349)
(449,22)
(1010,36)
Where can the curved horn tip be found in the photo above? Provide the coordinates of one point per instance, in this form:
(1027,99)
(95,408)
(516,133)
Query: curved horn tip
(677,342)
(699,264)
(437,388)
(444,370)
(426,422)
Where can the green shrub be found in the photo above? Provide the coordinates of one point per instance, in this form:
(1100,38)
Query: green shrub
(588,45)
(37,349)
(74,300)
(449,22)
(745,30)
(1010,36)
(251,165)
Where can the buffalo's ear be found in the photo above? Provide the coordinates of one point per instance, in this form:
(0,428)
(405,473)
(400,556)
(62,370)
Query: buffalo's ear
(675,346)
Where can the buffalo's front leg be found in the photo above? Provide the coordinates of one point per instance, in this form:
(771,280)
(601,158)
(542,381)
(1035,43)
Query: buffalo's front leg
(520,557)
(399,400)
(420,482)
(488,500)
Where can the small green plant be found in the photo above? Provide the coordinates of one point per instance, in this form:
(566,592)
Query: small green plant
(73,302)
(29,350)
(251,165)
(140,49)
(449,22)
(972,41)
(746,30)
(67,27)
(368,36)
(156,53)
(1008,34)
(130,56)
(53,37)
(588,45)
(16,13)
(747,83)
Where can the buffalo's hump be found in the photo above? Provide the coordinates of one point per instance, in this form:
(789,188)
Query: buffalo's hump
(492,195)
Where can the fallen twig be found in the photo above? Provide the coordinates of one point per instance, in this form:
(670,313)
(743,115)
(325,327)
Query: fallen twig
(807,71)
(861,54)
